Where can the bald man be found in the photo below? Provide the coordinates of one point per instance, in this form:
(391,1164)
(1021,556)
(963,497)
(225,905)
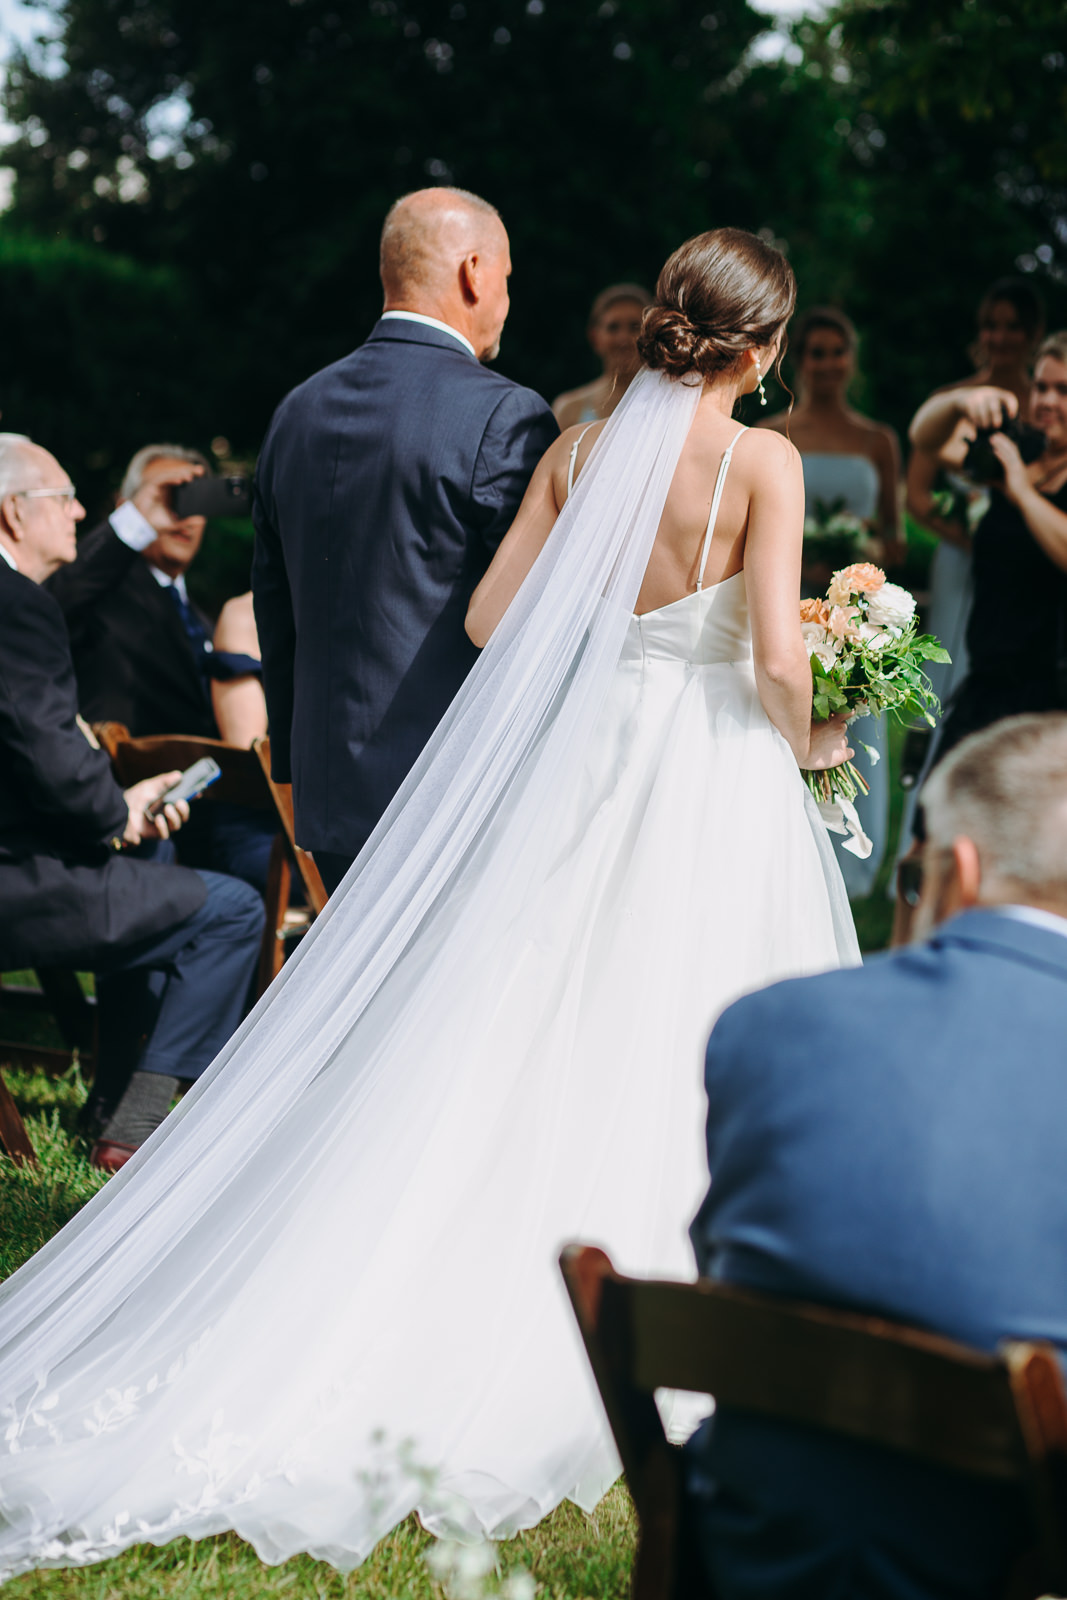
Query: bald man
(385,483)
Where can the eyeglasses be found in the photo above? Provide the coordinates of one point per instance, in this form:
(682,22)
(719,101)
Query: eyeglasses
(910,882)
(67,493)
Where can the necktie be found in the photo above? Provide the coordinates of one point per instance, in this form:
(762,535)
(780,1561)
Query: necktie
(194,630)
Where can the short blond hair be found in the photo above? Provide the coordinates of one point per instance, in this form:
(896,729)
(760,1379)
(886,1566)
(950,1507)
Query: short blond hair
(1005,788)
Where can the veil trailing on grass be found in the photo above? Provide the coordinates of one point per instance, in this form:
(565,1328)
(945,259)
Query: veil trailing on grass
(120,1405)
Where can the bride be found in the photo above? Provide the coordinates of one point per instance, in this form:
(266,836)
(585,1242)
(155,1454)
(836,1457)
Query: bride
(338,1256)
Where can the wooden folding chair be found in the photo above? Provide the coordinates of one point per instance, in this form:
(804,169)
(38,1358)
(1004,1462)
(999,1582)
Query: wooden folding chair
(14,1138)
(244,781)
(57,996)
(284,852)
(1001,1417)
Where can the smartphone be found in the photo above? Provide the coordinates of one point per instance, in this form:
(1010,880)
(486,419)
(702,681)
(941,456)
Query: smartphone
(192,783)
(212,497)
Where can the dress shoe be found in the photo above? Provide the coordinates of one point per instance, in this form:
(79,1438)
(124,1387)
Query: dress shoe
(108,1155)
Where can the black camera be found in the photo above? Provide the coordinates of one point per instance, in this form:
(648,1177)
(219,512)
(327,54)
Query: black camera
(980,463)
(212,497)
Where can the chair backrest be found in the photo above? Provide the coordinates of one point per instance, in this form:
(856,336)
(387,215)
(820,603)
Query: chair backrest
(1000,1417)
(282,794)
(241,782)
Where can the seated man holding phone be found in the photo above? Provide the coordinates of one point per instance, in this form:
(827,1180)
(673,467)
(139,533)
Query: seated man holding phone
(174,950)
(143,651)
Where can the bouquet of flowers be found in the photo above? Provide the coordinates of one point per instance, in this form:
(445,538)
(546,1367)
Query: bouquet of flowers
(867,657)
(835,536)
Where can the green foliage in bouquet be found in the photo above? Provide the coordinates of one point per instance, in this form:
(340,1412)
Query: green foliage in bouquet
(867,659)
(893,681)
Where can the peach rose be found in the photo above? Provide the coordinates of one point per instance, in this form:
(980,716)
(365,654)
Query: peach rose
(842,622)
(862,577)
(815,611)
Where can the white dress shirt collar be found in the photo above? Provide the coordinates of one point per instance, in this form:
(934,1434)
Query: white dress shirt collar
(1037,918)
(165,581)
(135,530)
(429,322)
(9,558)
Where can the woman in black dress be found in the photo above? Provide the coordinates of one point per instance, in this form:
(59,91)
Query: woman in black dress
(1017,636)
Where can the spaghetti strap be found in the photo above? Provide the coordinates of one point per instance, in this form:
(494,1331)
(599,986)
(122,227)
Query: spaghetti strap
(720,481)
(574,457)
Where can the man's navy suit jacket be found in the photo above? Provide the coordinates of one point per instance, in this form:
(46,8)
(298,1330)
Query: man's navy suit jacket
(385,483)
(891,1139)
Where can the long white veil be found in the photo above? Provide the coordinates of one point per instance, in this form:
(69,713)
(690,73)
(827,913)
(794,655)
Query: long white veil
(421,923)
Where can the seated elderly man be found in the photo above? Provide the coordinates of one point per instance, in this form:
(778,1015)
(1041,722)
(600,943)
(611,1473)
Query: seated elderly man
(143,651)
(174,950)
(893,1139)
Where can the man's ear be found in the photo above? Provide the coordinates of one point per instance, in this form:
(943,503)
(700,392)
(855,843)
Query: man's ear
(11,517)
(967,872)
(468,278)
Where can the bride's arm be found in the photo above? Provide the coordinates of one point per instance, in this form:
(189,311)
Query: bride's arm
(772,581)
(524,540)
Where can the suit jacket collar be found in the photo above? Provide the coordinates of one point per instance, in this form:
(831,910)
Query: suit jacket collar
(176,660)
(400,331)
(1020,941)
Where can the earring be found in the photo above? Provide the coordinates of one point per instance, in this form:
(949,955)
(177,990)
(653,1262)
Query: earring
(759,386)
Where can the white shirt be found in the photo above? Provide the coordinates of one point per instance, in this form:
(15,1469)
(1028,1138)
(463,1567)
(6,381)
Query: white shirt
(136,531)
(430,322)
(9,558)
(1036,917)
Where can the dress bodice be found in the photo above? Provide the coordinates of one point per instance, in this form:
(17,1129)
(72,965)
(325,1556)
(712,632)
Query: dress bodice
(705,628)
(701,629)
(851,478)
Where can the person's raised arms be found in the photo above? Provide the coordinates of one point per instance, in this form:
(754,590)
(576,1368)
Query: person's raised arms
(936,420)
(525,539)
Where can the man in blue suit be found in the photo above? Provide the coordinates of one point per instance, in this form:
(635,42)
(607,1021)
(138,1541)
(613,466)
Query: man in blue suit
(385,484)
(893,1139)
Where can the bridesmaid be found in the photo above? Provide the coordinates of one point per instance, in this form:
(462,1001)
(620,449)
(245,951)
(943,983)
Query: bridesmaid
(614,323)
(846,457)
(1011,324)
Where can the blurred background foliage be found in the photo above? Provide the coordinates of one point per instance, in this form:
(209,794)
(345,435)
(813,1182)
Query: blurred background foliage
(199,186)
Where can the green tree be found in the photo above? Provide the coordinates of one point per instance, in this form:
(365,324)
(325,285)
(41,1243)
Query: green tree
(950,118)
(75,323)
(256,152)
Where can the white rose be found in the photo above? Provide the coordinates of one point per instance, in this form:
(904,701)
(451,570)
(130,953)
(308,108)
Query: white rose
(819,644)
(891,607)
(874,638)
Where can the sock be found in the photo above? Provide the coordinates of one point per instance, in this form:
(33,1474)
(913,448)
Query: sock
(142,1108)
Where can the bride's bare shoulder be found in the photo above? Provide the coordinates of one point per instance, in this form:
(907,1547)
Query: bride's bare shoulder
(558,455)
(762,450)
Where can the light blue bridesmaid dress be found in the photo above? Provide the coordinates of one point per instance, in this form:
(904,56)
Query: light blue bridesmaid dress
(854,480)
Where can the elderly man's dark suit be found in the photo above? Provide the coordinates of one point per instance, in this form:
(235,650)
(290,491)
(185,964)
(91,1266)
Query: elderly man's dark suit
(385,484)
(135,664)
(70,897)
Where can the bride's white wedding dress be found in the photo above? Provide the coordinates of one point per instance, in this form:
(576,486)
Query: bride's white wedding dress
(347,1239)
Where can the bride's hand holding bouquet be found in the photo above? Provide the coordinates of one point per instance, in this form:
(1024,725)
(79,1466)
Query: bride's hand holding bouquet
(867,657)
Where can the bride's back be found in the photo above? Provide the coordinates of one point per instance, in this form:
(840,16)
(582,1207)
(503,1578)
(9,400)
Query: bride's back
(673,566)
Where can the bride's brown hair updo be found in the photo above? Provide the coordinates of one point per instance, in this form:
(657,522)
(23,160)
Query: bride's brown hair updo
(720,294)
